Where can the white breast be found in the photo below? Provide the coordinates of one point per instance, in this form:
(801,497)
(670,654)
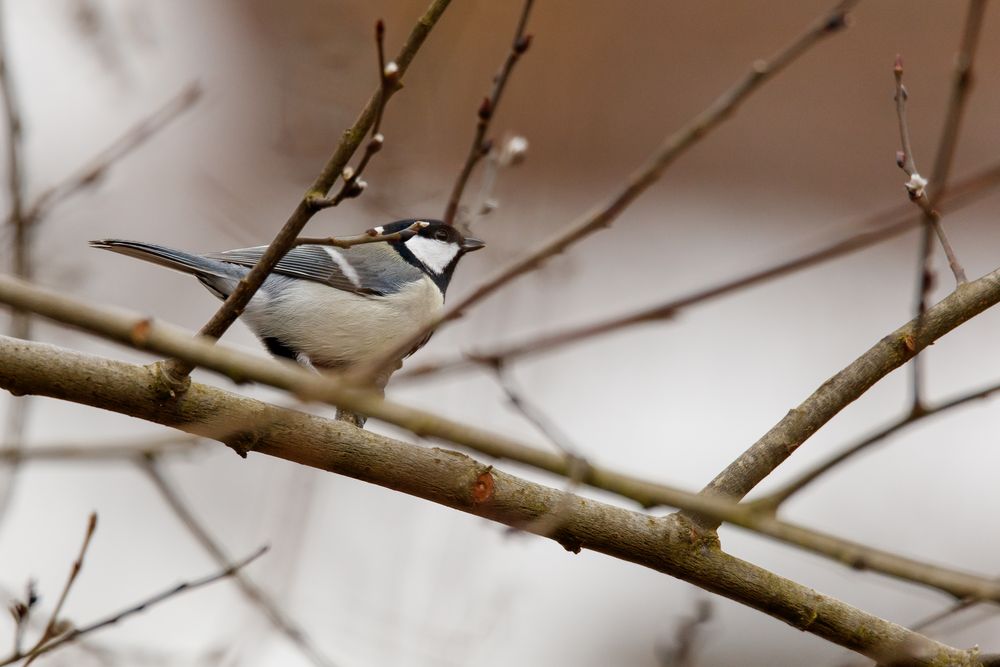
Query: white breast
(335,328)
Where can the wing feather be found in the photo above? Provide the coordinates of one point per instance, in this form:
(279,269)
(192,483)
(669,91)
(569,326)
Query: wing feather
(372,269)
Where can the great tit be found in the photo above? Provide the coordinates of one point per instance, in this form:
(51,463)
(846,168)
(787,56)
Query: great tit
(328,307)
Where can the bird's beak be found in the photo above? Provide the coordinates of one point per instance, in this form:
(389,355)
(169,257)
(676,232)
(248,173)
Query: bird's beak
(469,244)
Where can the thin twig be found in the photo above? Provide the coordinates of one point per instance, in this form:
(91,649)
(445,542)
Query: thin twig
(929,197)
(21,610)
(52,627)
(681,653)
(773,500)
(15,174)
(961,86)
(875,228)
(143,605)
(127,451)
(487,110)
(675,145)
(891,352)
(133,138)
(16,418)
(369,236)
(389,83)
(916,189)
(176,371)
(577,466)
(255,594)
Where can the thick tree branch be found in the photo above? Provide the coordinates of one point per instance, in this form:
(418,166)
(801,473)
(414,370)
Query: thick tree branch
(143,334)
(601,217)
(666,544)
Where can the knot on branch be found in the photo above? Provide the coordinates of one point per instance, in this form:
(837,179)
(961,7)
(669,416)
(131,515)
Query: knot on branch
(483,487)
(166,385)
(244,442)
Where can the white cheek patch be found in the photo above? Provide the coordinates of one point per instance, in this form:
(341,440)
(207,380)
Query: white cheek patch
(345,267)
(435,255)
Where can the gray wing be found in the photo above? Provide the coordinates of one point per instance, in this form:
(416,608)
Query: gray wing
(372,269)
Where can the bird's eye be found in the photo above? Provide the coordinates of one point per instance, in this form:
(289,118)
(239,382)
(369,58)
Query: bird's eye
(441,235)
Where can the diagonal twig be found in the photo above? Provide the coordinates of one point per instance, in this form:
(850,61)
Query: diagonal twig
(176,371)
(270,608)
(875,228)
(928,197)
(143,605)
(773,500)
(577,466)
(601,217)
(388,74)
(133,138)
(801,422)
(487,109)
(52,627)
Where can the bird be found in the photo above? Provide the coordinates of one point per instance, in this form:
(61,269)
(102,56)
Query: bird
(332,308)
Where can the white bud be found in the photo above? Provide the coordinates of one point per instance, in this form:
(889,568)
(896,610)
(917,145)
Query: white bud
(916,185)
(514,151)
(391,69)
(347,173)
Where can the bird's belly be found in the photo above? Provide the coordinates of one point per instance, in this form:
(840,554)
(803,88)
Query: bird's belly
(334,328)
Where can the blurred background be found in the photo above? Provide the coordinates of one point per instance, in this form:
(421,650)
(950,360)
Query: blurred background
(378,578)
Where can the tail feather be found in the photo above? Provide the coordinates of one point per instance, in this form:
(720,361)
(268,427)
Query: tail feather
(170,258)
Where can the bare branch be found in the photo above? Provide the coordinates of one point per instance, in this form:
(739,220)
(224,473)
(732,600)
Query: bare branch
(177,371)
(370,236)
(184,587)
(126,451)
(601,217)
(874,229)
(388,84)
(738,479)
(254,593)
(487,109)
(21,610)
(773,500)
(577,466)
(743,474)
(666,544)
(961,86)
(53,627)
(681,654)
(16,418)
(133,138)
(927,201)
(23,371)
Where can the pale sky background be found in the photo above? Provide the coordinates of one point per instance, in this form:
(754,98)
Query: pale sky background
(378,578)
